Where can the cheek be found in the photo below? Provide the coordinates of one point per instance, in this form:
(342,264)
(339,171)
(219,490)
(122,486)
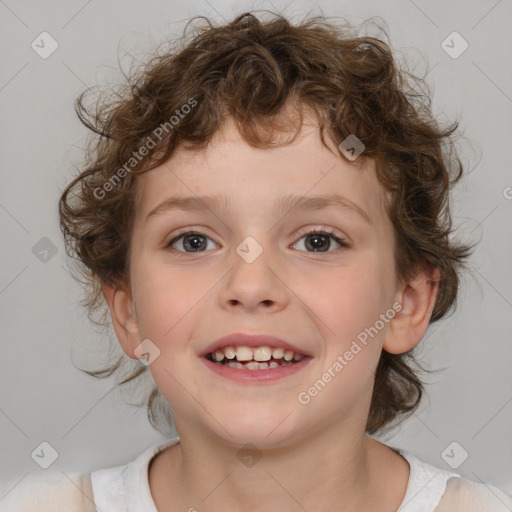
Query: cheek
(164,298)
(167,302)
(351,301)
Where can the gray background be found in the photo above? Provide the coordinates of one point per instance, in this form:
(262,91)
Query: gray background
(44,398)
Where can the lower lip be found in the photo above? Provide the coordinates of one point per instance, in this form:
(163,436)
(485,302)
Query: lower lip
(267,375)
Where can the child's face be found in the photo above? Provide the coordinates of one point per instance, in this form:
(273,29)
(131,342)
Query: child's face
(317,301)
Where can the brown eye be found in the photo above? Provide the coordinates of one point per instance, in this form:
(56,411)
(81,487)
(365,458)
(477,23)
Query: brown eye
(190,242)
(320,241)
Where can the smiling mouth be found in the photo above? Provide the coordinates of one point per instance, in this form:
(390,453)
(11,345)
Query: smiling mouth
(258,358)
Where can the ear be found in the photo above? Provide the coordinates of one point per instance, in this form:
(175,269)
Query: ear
(417,298)
(124,319)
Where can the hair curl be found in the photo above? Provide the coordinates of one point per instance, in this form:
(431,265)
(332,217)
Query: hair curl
(251,70)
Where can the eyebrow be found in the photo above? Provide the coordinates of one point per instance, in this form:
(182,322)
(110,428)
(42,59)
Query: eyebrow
(282,206)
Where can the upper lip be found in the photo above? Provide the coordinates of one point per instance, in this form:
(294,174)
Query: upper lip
(250,340)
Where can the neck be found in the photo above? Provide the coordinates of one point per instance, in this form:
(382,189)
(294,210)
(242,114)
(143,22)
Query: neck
(349,474)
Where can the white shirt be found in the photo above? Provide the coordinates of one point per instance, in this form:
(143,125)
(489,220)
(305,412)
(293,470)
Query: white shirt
(126,489)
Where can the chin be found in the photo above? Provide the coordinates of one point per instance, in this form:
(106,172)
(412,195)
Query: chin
(261,428)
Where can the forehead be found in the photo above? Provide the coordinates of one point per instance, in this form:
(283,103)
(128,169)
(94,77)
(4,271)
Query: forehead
(251,179)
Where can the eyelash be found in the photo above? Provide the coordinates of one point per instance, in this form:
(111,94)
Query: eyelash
(316,231)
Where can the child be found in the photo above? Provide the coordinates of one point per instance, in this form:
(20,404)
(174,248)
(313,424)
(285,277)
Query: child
(266,216)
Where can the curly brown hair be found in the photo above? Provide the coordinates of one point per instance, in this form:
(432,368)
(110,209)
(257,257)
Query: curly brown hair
(251,70)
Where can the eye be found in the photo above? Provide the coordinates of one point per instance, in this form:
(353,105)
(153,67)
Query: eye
(316,240)
(319,240)
(192,240)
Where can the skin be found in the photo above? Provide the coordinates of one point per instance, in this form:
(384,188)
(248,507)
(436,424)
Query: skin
(315,456)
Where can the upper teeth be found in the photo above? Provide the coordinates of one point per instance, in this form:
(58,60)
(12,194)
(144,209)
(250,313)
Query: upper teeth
(264,353)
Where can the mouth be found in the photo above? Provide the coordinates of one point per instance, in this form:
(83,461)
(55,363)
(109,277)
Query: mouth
(254,358)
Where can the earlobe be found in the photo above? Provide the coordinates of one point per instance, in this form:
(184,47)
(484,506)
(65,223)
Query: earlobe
(124,320)
(418,299)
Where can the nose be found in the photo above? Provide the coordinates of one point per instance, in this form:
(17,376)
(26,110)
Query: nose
(255,285)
